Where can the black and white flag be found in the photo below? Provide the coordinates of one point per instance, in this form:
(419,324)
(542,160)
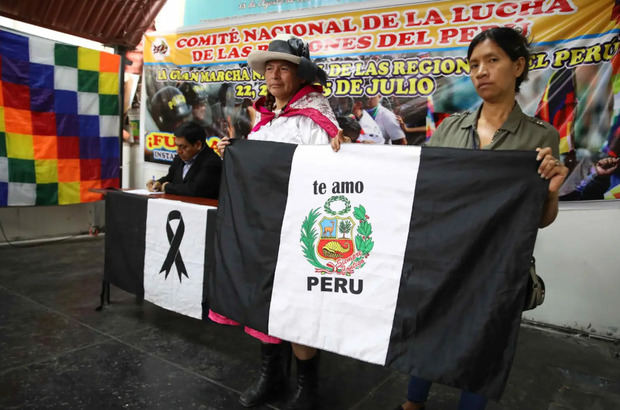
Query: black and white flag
(157,248)
(414,258)
(173,279)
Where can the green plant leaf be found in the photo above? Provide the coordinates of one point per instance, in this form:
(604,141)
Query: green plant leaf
(365,229)
(308,236)
(365,246)
(359,213)
(358,242)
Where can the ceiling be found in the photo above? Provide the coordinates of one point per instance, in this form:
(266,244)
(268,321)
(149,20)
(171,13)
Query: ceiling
(111,22)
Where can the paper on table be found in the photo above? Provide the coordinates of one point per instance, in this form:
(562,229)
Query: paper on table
(143,192)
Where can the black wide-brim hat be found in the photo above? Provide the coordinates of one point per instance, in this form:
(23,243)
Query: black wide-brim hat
(292,49)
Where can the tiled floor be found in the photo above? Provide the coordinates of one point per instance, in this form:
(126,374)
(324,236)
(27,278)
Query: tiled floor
(58,352)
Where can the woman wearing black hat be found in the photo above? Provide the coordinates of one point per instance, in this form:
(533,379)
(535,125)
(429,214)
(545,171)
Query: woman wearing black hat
(293,111)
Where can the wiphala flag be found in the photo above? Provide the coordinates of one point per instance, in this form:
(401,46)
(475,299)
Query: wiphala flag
(413,258)
(59,121)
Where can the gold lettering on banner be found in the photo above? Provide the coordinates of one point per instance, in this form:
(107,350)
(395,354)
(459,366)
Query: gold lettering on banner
(594,54)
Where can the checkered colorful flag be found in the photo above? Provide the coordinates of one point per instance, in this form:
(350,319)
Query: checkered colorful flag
(59,121)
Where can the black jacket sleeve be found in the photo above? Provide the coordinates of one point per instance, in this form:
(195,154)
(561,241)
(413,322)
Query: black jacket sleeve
(202,179)
(175,168)
(596,187)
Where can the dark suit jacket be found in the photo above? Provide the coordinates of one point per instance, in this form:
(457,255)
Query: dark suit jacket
(202,179)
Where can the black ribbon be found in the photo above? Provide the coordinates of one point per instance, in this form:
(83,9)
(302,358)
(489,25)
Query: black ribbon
(174,239)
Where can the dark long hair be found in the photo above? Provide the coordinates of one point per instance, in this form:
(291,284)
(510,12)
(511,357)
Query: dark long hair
(270,101)
(511,41)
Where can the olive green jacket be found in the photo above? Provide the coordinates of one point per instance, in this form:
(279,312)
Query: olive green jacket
(519,132)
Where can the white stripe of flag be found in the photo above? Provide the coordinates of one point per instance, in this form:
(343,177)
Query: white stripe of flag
(180,294)
(353,314)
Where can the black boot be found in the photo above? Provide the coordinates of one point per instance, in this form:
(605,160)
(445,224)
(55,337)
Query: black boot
(306,395)
(273,375)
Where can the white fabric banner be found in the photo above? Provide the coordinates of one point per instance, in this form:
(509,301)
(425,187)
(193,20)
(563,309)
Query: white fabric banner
(174,255)
(337,288)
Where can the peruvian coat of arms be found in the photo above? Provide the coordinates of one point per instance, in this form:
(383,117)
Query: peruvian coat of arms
(344,237)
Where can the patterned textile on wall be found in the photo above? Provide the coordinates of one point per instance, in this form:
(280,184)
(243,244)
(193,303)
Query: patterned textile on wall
(59,121)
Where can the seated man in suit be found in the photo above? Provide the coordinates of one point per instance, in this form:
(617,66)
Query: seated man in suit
(195,170)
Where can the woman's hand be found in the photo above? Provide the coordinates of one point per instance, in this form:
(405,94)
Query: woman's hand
(551,169)
(222,144)
(401,122)
(607,166)
(335,142)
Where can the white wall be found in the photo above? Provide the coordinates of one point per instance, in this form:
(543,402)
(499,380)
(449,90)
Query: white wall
(578,256)
(40,222)
(135,170)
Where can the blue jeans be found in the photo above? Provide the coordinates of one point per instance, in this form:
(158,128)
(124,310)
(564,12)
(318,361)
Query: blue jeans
(418,389)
